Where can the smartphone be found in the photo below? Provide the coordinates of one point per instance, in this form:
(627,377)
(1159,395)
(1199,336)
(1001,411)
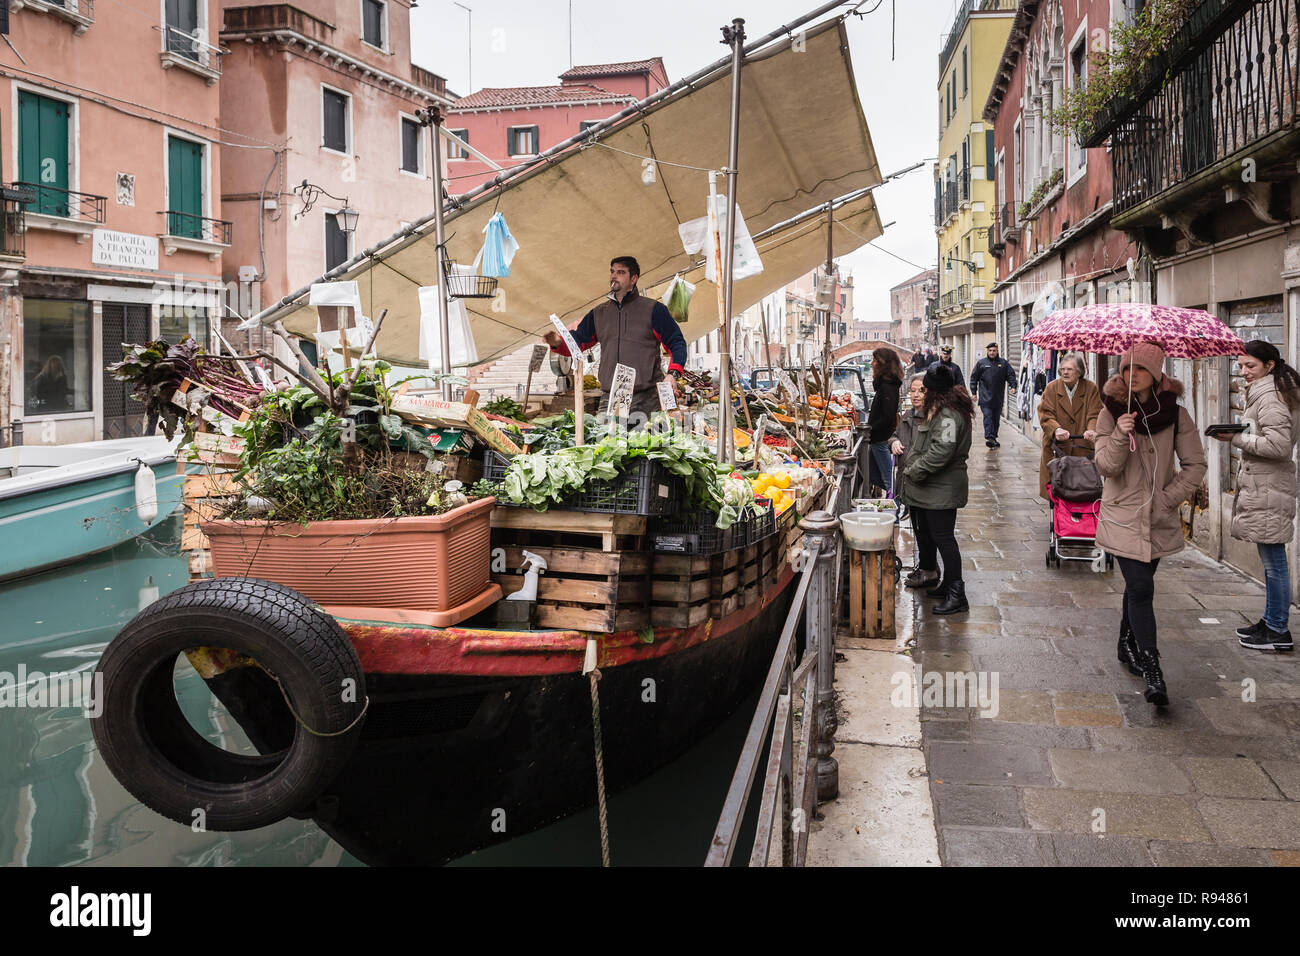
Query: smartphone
(1212,430)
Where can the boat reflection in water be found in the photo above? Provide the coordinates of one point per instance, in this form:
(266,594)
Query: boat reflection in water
(59,804)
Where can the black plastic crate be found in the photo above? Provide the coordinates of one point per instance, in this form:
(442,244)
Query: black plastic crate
(647,489)
(695,532)
(760,526)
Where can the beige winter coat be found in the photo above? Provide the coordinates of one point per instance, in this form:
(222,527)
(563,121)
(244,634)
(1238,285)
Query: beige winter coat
(1142,489)
(1266,484)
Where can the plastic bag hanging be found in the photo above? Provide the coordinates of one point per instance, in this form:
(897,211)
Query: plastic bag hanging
(697,239)
(678,298)
(499,248)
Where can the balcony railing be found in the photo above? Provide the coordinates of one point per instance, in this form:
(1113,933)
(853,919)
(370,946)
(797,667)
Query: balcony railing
(1239,90)
(963,295)
(13,231)
(950,200)
(269,17)
(65,203)
(959,21)
(185,225)
(963,184)
(79,12)
(181,45)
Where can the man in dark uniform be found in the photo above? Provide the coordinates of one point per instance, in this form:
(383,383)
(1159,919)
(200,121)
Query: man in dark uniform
(631,329)
(947,362)
(988,381)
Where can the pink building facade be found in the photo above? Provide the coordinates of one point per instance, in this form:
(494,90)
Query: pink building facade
(112,215)
(512,124)
(322,92)
(1052,239)
(909,305)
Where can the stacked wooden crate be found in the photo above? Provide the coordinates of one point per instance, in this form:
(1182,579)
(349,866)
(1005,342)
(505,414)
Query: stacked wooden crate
(208,467)
(687,590)
(597,575)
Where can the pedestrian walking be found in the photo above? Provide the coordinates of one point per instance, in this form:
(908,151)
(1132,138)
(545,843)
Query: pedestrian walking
(945,359)
(935,483)
(918,361)
(988,381)
(909,419)
(1140,429)
(1069,406)
(1265,507)
(882,419)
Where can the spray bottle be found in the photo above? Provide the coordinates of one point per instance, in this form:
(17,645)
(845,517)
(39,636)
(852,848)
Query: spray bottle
(533,566)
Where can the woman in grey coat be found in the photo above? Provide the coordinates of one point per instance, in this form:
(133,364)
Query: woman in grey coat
(1265,509)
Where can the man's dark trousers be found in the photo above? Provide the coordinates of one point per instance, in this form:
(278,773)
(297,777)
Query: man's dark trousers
(991,419)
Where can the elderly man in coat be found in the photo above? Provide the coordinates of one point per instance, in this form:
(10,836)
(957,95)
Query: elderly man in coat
(1069,406)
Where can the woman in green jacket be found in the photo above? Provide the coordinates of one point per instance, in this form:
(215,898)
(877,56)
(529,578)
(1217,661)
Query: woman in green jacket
(935,485)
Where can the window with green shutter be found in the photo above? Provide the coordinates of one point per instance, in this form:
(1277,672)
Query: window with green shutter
(184,188)
(43,154)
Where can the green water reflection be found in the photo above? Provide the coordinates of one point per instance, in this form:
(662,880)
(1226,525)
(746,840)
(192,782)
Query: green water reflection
(59,804)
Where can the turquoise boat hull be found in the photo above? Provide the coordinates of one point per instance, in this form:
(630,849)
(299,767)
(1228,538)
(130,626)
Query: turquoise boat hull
(53,516)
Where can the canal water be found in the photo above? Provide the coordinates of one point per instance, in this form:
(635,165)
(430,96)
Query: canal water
(59,804)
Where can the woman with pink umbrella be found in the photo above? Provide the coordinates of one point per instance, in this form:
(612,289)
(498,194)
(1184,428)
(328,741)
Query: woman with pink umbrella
(1141,432)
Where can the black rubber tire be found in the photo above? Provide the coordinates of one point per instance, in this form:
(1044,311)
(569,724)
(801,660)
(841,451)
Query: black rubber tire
(1049,557)
(148,743)
(1110,562)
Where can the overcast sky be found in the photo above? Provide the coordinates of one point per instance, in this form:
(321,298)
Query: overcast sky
(527,44)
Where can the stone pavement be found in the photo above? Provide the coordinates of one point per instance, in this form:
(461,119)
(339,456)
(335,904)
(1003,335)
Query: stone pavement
(1076,768)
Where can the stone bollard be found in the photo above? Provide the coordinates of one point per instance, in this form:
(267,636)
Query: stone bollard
(819,619)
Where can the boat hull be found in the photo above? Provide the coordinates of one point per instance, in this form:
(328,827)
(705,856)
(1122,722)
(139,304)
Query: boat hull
(449,763)
(66,517)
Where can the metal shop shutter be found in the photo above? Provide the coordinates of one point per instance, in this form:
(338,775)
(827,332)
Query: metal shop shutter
(1251,319)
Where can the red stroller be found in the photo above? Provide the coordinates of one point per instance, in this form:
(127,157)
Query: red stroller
(1074,528)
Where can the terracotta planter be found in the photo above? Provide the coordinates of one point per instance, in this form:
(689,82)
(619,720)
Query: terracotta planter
(431,570)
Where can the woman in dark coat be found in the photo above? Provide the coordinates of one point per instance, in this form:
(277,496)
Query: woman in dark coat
(882,419)
(935,484)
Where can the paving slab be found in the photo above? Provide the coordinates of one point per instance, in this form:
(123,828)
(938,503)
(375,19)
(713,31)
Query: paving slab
(1153,816)
(1230,777)
(1285,774)
(1117,771)
(1268,824)
(1205,854)
(971,847)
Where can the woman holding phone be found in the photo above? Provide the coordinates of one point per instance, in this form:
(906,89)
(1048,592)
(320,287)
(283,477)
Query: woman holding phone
(1265,508)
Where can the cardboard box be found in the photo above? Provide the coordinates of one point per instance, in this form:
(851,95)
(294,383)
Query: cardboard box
(454,414)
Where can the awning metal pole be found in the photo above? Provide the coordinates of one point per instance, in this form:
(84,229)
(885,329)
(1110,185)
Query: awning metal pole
(735,37)
(830,311)
(435,117)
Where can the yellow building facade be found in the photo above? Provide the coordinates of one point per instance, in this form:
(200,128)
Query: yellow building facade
(964,191)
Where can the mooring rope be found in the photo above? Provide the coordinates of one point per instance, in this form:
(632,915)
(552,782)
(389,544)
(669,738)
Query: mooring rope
(593,675)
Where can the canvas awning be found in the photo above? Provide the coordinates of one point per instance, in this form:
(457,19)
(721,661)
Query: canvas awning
(803,141)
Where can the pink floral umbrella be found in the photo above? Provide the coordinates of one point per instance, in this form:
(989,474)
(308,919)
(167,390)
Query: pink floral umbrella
(1111,329)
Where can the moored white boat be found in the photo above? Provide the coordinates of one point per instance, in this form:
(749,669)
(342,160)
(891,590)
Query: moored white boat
(60,503)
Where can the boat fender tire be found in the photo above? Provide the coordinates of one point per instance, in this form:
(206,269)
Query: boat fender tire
(156,754)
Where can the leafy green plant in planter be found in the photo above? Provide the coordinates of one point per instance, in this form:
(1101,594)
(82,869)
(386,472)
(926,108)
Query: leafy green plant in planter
(1115,70)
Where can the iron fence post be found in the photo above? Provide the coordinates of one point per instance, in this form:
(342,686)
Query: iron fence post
(844,470)
(820,620)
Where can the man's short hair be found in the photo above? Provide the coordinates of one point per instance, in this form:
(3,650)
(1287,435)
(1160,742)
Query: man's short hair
(633,267)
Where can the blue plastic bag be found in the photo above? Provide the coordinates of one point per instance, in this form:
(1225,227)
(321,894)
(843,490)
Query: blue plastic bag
(499,248)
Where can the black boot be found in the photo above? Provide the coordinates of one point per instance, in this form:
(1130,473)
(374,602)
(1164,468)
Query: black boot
(955,600)
(1126,650)
(1156,692)
(937,592)
(920,578)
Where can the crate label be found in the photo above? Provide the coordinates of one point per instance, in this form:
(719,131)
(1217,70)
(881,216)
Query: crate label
(663,491)
(670,542)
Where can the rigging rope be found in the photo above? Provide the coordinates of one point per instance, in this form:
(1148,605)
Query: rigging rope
(593,675)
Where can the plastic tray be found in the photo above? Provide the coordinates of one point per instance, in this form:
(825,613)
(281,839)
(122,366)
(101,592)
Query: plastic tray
(696,532)
(647,489)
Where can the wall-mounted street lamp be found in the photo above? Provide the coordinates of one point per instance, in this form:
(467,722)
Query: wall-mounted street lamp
(308,193)
(947,265)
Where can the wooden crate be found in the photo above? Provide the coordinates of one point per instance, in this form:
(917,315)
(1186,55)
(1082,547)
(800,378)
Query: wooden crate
(871,593)
(681,589)
(607,532)
(583,589)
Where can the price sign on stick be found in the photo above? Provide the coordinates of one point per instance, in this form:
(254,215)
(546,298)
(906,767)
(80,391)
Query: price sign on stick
(620,392)
(579,409)
(667,400)
(786,382)
(539,356)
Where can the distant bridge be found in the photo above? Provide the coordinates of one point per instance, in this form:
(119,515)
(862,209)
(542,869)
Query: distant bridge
(854,348)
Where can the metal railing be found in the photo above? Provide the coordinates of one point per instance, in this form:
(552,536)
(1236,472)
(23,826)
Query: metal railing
(65,203)
(963,295)
(794,786)
(948,299)
(1240,89)
(79,11)
(13,229)
(188,45)
(950,200)
(963,184)
(185,225)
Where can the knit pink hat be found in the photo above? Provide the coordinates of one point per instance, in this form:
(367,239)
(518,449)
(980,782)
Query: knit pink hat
(1145,355)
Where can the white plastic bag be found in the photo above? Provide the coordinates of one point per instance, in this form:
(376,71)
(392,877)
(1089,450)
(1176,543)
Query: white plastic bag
(696,238)
(463,350)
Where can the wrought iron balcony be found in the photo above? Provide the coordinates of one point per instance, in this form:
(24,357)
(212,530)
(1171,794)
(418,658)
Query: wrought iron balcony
(963,184)
(1240,91)
(13,229)
(963,295)
(65,203)
(184,225)
(80,13)
(950,200)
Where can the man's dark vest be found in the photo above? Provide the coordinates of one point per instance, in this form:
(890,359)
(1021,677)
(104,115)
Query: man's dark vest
(627,337)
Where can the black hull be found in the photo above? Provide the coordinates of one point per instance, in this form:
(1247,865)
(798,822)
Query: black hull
(447,765)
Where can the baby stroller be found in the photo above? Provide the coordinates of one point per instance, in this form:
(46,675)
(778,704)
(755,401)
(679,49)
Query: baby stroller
(1074,526)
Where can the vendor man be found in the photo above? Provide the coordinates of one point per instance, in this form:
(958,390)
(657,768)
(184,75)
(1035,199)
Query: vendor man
(631,330)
